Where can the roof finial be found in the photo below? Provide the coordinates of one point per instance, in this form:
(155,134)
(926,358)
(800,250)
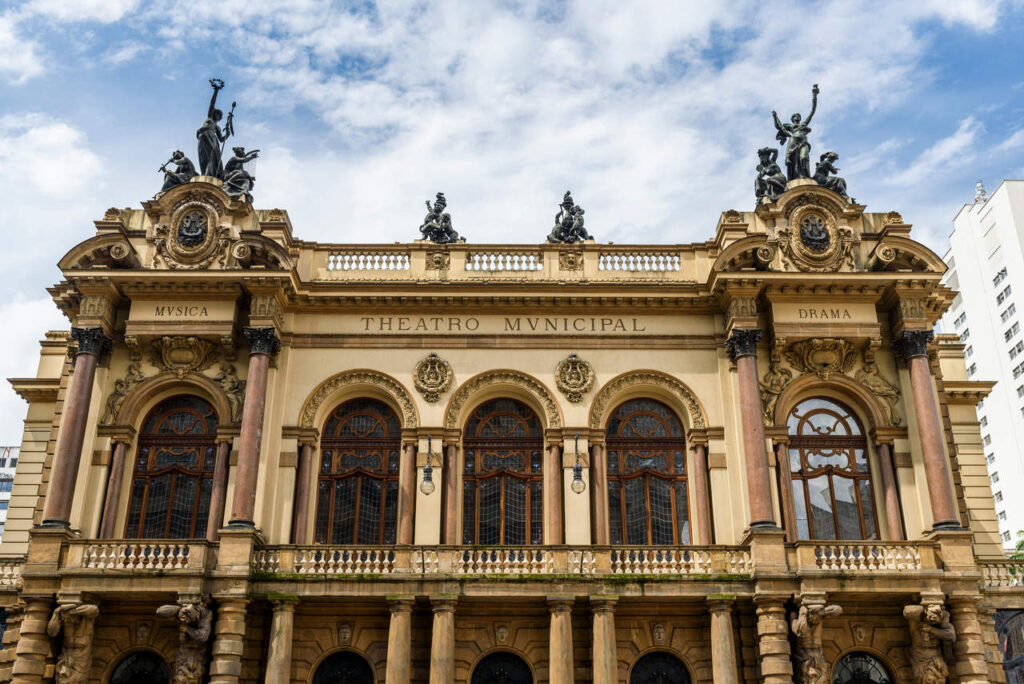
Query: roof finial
(980,194)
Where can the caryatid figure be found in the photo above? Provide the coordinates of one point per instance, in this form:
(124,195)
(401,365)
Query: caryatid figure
(195,622)
(929,627)
(76,623)
(807,624)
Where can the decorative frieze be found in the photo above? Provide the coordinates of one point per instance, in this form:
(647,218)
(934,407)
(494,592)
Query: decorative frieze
(432,377)
(574,377)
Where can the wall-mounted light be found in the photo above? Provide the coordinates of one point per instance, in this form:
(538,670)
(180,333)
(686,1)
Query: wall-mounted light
(427,486)
(578,485)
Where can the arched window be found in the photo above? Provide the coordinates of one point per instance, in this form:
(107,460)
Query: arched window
(828,462)
(503,476)
(173,473)
(647,502)
(141,667)
(503,667)
(860,668)
(658,667)
(357,488)
(343,667)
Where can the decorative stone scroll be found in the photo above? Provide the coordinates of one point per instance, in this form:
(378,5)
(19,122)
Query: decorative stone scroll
(475,385)
(432,377)
(808,655)
(929,626)
(822,356)
(574,377)
(613,389)
(76,624)
(195,620)
(389,385)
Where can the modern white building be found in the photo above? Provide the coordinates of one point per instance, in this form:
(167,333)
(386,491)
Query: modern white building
(986,266)
(8,463)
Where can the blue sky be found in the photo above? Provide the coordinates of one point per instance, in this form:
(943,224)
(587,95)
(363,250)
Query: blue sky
(650,112)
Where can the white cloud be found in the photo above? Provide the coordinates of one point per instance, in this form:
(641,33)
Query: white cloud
(954,148)
(1015,141)
(51,154)
(21,355)
(19,58)
(124,53)
(104,11)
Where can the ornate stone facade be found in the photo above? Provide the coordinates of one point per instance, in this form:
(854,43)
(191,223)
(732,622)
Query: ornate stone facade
(284,389)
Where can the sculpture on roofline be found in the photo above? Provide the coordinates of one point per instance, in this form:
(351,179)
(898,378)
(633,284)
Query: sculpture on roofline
(798,148)
(437,225)
(211,139)
(824,175)
(569,223)
(770,181)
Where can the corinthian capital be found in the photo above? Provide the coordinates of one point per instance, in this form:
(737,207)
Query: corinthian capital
(743,343)
(91,340)
(262,340)
(913,343)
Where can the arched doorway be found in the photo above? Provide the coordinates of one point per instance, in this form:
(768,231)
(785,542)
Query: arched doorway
(141,667)
(502,668)
(344,667)
(860,668)
(659,668)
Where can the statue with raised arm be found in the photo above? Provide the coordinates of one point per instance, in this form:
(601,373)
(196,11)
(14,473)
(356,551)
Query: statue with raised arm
(798,149)
(194,626)
(437,225)
(770,181)
(824,175)
(569,222)
(808,655)
(184,171)
(929,627)
(76,624)
(211,137)
(237,181)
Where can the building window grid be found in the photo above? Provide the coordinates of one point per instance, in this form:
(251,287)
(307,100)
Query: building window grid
(965,335)
(972,369)
(1009,311)
(1001,297)
(1016,349)
(1013,330)
(960,320)
(999,277)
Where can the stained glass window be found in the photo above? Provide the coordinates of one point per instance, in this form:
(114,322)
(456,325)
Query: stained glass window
(503,475)
(141,667)
(828,461)
(173,471)
(659,667)
(357,484)
(343,667)
(860,668)
(647,497)
(502,668)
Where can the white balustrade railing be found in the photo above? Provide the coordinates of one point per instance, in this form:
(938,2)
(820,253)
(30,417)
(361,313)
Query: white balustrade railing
(738,562)
(1002,574)
(509,561)
(266,560)
(367,260)
(136,556)
(666,561)
(867,557)
(504,260)
(640,261)
(343,561)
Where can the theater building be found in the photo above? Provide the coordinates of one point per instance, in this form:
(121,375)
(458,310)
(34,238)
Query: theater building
(258,459)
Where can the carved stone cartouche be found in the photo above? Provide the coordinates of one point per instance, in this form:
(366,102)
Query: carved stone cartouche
(432,377)
(574,377)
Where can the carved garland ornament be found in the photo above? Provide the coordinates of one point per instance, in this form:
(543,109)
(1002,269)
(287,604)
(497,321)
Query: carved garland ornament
(432,377)
(365,377)
(470,388)
(614,388)
(574,377)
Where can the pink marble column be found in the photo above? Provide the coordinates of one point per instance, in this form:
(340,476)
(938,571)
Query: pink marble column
(303,477)
(407,494)
(553,487)
(913,345)
(263,344)
(598,494)
(61,490)
(786,489)
(451,493)
(219,490)
(701,494)
(742,347)
(112,500)
(890,493)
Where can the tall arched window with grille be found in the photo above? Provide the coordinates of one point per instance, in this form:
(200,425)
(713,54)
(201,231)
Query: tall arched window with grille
(647,498)
(828,461)
(503,475)
(357,487)
(173,473)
